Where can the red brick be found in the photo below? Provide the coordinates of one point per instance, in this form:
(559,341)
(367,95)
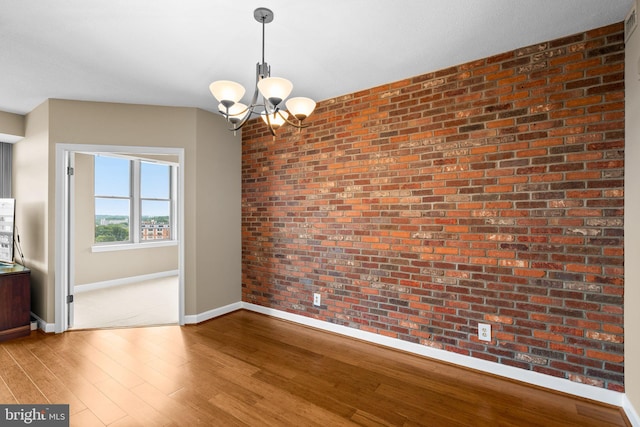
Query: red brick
(610,357)
(471,194)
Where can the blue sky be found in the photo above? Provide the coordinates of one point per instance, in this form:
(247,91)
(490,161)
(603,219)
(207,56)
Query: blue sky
(112,178)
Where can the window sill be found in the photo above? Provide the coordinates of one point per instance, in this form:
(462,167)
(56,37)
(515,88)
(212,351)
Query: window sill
(132,246)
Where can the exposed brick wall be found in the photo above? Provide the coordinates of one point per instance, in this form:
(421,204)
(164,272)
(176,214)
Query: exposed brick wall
(487,192)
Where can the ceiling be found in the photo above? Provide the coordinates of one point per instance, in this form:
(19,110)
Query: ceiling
(166,52)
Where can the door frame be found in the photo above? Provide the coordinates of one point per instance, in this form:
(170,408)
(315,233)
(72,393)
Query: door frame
(64,232)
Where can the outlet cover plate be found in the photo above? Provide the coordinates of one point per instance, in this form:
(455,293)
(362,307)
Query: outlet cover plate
(317,300)
(484,332)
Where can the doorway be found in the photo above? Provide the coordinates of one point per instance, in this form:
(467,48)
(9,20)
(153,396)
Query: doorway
(132,279)
(127,303)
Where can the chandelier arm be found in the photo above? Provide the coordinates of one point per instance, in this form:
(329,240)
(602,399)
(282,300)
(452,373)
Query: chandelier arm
(227,115)
(299,126)
(269,124)
(251,107)
(256,92)
(246,118)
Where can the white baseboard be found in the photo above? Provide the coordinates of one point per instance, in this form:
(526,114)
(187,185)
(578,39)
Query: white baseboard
(208,315)
(529,377)
(123,281)
(630,411)
(44,326)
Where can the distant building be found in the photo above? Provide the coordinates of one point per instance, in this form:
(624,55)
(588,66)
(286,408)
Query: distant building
(153,231)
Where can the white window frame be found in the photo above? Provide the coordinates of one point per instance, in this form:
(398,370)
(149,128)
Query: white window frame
(130,198)
(135,226)
(172,198)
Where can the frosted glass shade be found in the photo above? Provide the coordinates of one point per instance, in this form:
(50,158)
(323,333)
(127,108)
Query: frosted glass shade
(227,92)
(301,107)
(236,112)
(275,119)
(275,89)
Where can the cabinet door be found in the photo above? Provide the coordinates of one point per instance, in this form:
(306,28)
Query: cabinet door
(15,300)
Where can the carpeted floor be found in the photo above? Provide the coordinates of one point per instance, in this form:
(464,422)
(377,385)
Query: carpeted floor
(152,302)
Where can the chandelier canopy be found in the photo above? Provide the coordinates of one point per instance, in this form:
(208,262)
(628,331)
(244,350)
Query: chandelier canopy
(268,97)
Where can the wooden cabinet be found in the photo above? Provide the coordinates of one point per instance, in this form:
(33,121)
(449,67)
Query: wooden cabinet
(15,301)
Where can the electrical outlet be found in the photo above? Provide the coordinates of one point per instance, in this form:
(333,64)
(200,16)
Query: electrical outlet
(317,301)
(484,332)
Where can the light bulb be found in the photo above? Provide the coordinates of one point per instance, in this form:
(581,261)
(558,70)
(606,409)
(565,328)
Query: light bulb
(275,89)
(235,113)
(300,107)
(275,119)
(226,92)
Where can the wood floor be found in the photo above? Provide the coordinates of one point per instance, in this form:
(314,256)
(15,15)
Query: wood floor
(248,369)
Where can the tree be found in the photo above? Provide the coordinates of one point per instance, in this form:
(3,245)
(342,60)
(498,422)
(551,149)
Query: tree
(112,233)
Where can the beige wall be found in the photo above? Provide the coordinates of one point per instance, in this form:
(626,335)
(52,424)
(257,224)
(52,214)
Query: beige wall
(632,227)
(200,134)
(92,267)
(11,124)
(31,191)
(218,224)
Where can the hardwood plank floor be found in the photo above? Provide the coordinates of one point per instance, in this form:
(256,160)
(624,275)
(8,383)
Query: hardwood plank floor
(249,369)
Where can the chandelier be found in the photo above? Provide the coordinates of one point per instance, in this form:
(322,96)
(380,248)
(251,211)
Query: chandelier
(268,95)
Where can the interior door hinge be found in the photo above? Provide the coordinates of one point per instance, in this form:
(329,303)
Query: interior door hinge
(69,299)
(69,170)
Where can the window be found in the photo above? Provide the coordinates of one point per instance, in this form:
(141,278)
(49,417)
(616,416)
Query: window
(134,200)
(112,189)
(155,196)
